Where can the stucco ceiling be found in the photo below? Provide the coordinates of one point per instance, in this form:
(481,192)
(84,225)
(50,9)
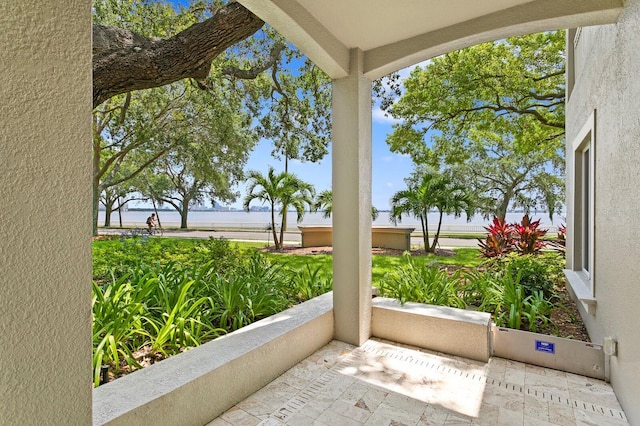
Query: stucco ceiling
(395,34)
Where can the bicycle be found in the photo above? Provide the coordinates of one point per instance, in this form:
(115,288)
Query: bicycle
(156,231)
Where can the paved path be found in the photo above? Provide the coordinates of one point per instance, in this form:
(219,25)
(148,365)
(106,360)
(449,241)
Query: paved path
(262,236)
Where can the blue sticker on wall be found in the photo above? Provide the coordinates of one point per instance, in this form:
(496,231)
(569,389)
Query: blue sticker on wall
(547,347)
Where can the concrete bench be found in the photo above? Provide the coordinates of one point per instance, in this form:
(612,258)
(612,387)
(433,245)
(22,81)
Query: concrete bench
(384,237)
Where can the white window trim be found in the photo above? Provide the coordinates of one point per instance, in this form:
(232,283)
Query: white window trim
(581,281)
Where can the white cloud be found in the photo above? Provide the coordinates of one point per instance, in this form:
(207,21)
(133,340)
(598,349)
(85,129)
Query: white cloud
(387,158)
(390,185)
(379,115)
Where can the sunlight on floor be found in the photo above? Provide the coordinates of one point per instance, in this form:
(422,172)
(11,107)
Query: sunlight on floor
(384,383)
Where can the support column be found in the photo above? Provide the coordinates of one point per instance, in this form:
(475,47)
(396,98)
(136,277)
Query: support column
(45,216)
(351,159)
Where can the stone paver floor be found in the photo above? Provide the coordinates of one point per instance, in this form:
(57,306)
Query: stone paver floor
(384,383)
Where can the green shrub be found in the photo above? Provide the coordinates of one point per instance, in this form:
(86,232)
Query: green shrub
(423,284)
(537,272)
(254,291)
(310,282)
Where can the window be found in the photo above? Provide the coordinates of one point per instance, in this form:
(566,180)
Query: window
(580,260)
(583,245)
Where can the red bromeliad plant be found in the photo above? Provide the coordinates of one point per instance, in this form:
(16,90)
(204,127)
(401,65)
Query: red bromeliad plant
(500,239)
(529,236)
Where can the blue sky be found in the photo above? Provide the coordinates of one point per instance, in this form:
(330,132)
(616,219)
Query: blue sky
(389,169)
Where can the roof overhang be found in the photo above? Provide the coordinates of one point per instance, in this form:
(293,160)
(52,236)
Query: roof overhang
(394,35)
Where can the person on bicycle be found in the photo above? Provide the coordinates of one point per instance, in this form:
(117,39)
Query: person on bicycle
(151,221)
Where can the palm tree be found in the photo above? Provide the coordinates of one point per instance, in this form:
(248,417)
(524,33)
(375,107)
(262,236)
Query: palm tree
(282,190)
(427,190)
(455,199)
(412,201)
(324,202)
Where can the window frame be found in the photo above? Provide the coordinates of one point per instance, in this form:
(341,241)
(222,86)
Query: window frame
(581,273)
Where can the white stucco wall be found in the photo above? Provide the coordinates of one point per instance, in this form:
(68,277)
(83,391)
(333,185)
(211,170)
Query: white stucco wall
(609,84)
(45,212)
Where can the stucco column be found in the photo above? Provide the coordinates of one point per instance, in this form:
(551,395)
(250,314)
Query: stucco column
(351,158)
(45,212)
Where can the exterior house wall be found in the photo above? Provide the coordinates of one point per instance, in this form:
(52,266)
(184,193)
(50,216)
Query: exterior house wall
(605,80)
(45,244)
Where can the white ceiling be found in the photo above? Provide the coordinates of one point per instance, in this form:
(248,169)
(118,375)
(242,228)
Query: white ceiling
(394,34)
(373,23)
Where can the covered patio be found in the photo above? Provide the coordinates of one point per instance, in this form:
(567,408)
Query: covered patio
(46,252)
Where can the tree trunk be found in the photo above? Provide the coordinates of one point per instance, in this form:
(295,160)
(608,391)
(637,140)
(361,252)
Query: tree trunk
(273,227)
(108,209)
(437,235)
(124,61)
(184,212)
(120,211)
(95,201)
(424,222)
(283,224)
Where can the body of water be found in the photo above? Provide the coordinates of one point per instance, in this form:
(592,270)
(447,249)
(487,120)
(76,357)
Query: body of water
(260,220)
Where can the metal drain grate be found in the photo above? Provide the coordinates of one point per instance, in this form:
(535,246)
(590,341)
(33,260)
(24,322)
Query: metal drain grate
(579,405)
(296,403)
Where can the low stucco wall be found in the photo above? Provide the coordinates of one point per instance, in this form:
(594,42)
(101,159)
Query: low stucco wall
(385,237)
(195,387)
(438,328)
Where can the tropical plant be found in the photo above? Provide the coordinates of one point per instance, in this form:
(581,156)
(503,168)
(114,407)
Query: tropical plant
(476,289)
(324,202)
(281,190)
(118,321)
(427,189)
(538,273)
(181,312)
(310,282)
(499,240)
(503,238)
(537,310)
(251,293)
(422,284)
(528,236)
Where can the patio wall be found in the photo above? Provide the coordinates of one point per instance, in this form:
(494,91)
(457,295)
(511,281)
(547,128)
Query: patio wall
(207,380)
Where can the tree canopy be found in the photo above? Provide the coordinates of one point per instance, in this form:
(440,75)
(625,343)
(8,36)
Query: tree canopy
(176,47)
(150,59)
(494,113)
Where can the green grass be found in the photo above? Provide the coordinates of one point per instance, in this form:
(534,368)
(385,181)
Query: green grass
(381,264)
(299,262)
(113,253)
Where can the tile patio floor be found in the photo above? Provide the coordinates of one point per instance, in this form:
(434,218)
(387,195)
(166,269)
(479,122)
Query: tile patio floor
(384,383)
